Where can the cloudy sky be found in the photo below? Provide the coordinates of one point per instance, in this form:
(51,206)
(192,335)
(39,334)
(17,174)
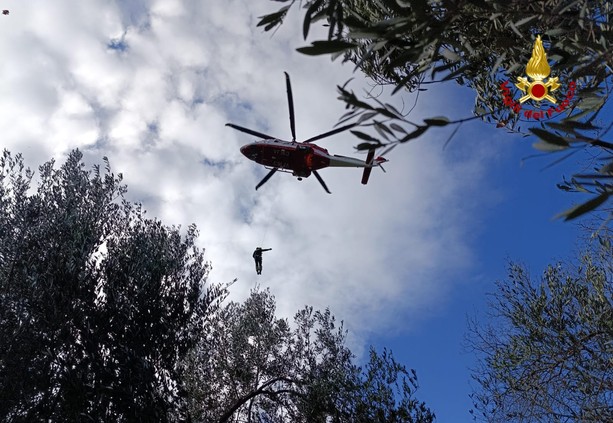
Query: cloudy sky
(151,83)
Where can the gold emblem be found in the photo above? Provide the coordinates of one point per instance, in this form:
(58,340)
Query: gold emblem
(538,69)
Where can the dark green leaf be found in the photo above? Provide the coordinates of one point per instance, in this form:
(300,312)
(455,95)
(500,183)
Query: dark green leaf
(366,116)
(393,109)
(368,145)
(514,28)
(437,121)
(570,125)
(525,20)
(556,32)
(382,130)
(578,116)
(387,113)
(585,207)
(591,103)
(592,176)
(309,16)
(416,133)
(363,136)
(550,138)
(545,146)
(397,128)
(273,18)
(456,72)
(326,47)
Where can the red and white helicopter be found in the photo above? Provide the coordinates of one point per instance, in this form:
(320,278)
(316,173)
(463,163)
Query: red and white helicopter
(300,158)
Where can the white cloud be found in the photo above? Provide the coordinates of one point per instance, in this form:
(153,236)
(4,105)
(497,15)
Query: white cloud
(157,108)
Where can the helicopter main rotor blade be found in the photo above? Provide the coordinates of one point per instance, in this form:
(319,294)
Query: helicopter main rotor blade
(321,181)
(290,102)
(332,132)
(266,178)
(249,131)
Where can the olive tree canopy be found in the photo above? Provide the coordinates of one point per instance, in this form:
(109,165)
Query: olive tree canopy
(479,44)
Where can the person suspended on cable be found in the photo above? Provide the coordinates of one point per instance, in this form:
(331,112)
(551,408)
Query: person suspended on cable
(257,256)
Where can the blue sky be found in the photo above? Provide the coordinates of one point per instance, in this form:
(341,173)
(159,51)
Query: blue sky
(402,261)
(519,227)
(515,217)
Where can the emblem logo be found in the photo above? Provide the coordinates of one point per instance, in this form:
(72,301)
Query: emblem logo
(538,69)
(537,87)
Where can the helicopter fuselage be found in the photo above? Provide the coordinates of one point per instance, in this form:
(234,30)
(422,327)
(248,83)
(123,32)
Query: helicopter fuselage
(299,158)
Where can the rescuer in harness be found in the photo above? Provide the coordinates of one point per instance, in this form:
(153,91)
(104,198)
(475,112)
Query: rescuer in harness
(257,256)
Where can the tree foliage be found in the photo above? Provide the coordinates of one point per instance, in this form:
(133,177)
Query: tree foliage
(97,302)
(479,44)
(252,366)
(547,354)
(104,317)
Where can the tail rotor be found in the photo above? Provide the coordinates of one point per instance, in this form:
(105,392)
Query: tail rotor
(371,162)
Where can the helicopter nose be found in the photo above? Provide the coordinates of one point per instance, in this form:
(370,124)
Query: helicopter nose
(249,151)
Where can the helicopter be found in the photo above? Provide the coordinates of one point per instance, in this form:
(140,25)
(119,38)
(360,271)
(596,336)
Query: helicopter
(301,159)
